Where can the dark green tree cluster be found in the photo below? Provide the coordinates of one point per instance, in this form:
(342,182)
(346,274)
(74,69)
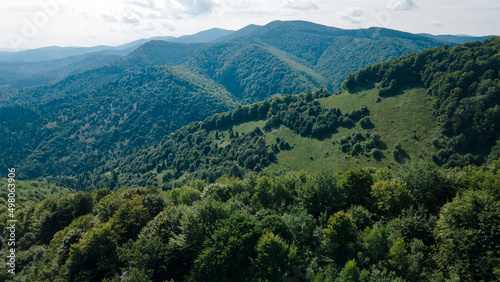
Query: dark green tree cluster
(464,83)
(421,223)
(311,120)
(399,154)
(363,144)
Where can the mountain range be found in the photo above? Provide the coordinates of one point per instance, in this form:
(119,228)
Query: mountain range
(259,156)
(90,118)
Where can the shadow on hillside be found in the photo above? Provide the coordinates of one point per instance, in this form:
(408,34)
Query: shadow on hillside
(381,145)
(367,86)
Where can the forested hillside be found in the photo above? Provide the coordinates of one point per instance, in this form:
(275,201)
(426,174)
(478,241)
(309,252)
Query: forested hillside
(308,131)
(151,168)
(153,53)
(464,82)
(401,110)
(77,134)
(18,75)
(80,123)
(334,52)
(420,223)
(253,72)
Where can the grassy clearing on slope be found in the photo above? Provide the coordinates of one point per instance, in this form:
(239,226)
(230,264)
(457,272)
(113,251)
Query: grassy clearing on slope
(248,127)
(406,118)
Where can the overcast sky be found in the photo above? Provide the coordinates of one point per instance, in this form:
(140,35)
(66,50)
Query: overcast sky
(27,24)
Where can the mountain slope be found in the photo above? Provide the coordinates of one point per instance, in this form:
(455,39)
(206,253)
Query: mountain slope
(272,60)
(206,36)
(465,83)
(335,52)
(441,103)
(307,56)
(253,72)
(55,53)
(51,64)
(303,132)
(79,133)
(151,54)
(16,75)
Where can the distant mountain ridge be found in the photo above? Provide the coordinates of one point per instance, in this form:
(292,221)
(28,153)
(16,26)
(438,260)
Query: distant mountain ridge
(459,39)
(55,52)
(327,50)
(51,64)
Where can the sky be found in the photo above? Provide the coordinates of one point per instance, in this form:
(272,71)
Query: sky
(29,24)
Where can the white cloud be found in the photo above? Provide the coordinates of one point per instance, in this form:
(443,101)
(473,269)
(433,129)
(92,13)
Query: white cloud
(109,18)
(401,4)
(435,23)
(130,20)
(301,4)
(353,15)
(195,7)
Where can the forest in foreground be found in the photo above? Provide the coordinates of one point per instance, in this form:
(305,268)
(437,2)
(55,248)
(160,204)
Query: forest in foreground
(420,223)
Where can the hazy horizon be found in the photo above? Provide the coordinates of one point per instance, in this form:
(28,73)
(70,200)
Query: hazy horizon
(30,24)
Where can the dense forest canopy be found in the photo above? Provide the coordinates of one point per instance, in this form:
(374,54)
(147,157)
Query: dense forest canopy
(420,223)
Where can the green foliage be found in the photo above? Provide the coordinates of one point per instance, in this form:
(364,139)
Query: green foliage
(246,229)
(270,193)
(226,256)
(357,186)
(374,245)
(399,153)
(391,196)
(183,195)
(146,256)
(275,259)
(56,213)
(468,233)
(359,144)
(322,194)
(94,257)
(350,272)
(427,184)
(129,219)
(339,236)
(463,81)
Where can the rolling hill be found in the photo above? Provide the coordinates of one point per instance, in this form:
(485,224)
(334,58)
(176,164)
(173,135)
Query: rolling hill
(18,75)
(459,39)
